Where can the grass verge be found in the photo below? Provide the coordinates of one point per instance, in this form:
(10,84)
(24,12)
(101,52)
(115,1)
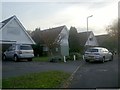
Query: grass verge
(50,79)
(41,59)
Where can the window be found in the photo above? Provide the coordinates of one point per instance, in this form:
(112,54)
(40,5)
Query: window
(25,47)
(92,50)
(91,39)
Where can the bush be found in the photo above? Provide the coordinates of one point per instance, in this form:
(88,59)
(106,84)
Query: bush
(38,50)
(55,59)
(71,56)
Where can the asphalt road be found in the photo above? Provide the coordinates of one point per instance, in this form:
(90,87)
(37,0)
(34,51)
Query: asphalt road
(12,69)
(96,75)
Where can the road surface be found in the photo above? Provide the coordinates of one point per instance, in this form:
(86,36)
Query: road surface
(96,75)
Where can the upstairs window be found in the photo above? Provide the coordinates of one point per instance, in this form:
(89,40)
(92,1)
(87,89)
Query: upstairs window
(90,39)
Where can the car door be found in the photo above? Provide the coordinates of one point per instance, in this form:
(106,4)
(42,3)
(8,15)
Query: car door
(7,53)
(10,52)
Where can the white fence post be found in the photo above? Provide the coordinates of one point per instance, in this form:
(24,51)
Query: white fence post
(83,57)
(74,57)
(64,59)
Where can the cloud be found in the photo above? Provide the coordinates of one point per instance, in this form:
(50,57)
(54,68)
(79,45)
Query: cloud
(72,13)
(75,15)
(58,0)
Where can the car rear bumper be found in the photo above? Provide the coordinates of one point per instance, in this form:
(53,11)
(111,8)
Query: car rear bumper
(23,56)
(94,58)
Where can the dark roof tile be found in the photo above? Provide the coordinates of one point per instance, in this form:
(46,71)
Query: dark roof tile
(52,33)
(83,37)
(6,21)
(102,38)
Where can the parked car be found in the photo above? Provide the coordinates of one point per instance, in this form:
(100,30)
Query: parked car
(97,54)
(17,52)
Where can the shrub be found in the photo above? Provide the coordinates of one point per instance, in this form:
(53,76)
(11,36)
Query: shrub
(38,50)
(71,56)
(56,59)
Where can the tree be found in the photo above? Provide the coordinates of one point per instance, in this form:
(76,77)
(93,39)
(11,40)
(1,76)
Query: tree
(112,42)
(51,41)
(36,36)
(38,48)
(113,29)
(73,40)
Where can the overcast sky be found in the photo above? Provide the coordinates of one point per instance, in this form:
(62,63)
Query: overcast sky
(47,14)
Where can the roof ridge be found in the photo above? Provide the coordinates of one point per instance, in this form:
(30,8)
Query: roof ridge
(53,28)
(8,18)
(102,35)
(4,22)
(84,32)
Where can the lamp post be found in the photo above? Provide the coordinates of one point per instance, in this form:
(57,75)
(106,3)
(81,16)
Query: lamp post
(87,27)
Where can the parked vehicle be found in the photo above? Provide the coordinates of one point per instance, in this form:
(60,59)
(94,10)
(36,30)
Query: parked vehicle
(17,52)
(97,54)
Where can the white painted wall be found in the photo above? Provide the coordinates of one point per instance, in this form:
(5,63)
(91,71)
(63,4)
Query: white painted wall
(14,32)
(92,42)
(64,33)
(64,42)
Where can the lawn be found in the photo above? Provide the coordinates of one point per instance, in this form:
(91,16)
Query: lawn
(50,79)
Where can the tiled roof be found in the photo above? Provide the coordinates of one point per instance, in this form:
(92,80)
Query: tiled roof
(6,21)
(102,38)
(51,33)
(83,36)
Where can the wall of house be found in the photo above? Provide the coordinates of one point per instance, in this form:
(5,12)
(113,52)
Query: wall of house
(92,41)
(14,32)
(64,42)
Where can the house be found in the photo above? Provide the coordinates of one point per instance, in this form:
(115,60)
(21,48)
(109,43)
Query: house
(108,42)
(56,40)
(102,39)
(12,31)
(87,39)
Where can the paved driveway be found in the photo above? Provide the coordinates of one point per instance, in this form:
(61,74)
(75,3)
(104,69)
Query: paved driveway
(11,68)
(97,75)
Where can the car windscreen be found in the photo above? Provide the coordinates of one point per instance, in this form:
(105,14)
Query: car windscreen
(25,47)
(92,50)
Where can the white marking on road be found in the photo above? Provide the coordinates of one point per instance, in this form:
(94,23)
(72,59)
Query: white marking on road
(71,77)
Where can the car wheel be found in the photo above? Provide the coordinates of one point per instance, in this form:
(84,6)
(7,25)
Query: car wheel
(103,60)
(30,59)
(4,57)
(111,58)
(86,60)
(15,58)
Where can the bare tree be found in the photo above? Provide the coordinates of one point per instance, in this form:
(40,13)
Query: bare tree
(36,35)
(51,42)
(113,29)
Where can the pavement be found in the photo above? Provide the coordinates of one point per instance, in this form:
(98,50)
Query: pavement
(12,69)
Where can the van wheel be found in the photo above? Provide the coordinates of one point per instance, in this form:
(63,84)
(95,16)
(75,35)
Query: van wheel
(4,57)
(15,58)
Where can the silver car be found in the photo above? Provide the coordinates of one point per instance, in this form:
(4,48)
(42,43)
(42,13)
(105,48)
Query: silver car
(97,54)
(17,52)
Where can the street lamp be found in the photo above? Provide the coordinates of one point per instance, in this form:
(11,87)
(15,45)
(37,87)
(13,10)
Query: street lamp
(87,26)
